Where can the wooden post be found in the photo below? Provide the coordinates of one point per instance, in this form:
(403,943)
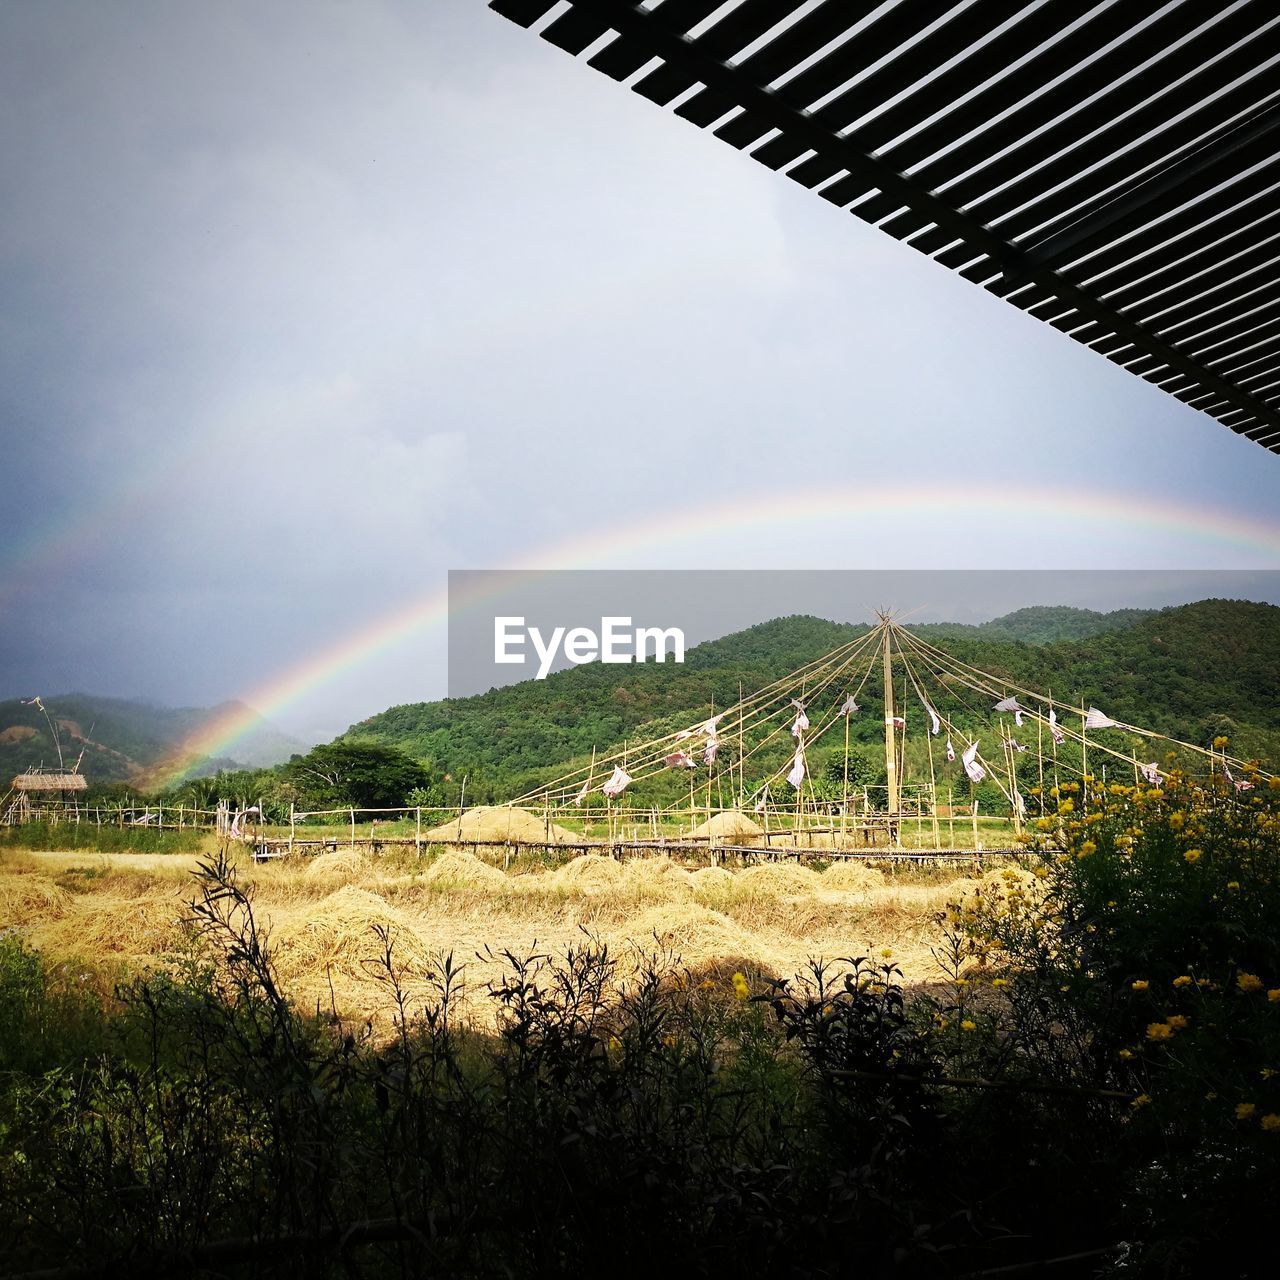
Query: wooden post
(951,815)
(417,832)
(890,742)
(462,800)
(353,827)
(976,844)
(293,819)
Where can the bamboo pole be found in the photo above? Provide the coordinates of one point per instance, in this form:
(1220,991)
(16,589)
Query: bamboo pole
(890,744)
(293,820)
(417,831)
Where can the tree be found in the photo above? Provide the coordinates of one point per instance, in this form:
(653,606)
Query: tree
(360,774)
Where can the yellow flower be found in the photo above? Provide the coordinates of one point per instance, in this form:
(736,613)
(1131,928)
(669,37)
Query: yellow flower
(1159,1031)
(1249,982)
(1233,886)
(1142,1100)
(1193,855)
(1141,985)
(1126,1054)
(1273,782)
(1274,994)
(740,988)
(1183,981)
(886,952)
(1244,1110)
(968,1025)
(1220,742)
(1175,821)
(1270,1122)
(1087,848)
(1003,982)
(1178,1021)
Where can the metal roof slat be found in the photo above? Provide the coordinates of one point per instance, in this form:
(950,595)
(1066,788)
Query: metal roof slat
(904,66)
(623,57)
(799,41)
(1070,136)
(931,95)
(736,30)
(524,13)
(1099,29)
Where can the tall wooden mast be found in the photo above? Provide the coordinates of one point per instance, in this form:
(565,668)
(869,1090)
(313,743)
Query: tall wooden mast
(890,744)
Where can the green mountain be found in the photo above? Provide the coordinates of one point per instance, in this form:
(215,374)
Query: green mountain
(121,739)
(1192,672)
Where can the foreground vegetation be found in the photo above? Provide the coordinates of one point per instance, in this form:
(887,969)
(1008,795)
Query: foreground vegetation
(1096,1074)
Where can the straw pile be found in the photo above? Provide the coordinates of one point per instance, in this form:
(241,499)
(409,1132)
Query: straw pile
(852,877)
(145,927)
(458,869)
(30,899)
(693,933)
(731,827)
(659,875)
(344,864)
(776,878)
(336,934)
(590,873)
(498,824)
(712,880)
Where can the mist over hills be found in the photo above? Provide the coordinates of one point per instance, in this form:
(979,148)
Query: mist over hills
(122,739)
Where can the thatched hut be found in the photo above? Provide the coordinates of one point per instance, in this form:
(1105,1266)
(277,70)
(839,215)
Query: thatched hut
(32,789)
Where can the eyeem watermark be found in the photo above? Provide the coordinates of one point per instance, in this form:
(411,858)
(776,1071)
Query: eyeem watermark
(616,641)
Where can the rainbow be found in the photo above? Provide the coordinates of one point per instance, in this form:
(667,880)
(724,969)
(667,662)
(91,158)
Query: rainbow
(859,512)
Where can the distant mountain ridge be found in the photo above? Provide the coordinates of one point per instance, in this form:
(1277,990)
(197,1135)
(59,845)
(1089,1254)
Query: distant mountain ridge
(1191,671)
(123,739)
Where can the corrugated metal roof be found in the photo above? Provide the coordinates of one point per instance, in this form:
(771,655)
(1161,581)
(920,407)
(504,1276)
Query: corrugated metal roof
(1111,168)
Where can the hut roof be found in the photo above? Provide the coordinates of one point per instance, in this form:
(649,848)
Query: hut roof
(50,782)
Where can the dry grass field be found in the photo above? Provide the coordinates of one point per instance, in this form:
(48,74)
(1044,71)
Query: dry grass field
(127,911)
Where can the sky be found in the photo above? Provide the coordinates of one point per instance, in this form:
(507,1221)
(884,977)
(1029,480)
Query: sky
(304,305)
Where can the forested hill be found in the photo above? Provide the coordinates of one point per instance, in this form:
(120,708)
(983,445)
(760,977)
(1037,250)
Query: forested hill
(1192,671)
(121,738)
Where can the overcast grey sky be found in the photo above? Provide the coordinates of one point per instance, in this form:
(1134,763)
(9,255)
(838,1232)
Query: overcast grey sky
(304,304)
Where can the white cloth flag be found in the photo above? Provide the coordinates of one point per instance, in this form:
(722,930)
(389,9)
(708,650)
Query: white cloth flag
(796,776)
(679,760)
(617,784)
(1016,745)
(795,702)
(1011,704)
(971,766)
(933,715)
(760,805)
(582,795)
(1056,733)
(951,751)
(1150,771)
(848,707)
(801,724)
(708,728)
(1094,719)
(709,754)
(899,722)
(1243,785)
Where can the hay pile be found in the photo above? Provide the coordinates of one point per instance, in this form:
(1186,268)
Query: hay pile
(144,927)
(695,934)
(852,877)
(712,880)
(344,864)
(31,899)
(337,933)
(660,876)
(498,824)
(777,878)
(590,873)
(731,827)
(458,869)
